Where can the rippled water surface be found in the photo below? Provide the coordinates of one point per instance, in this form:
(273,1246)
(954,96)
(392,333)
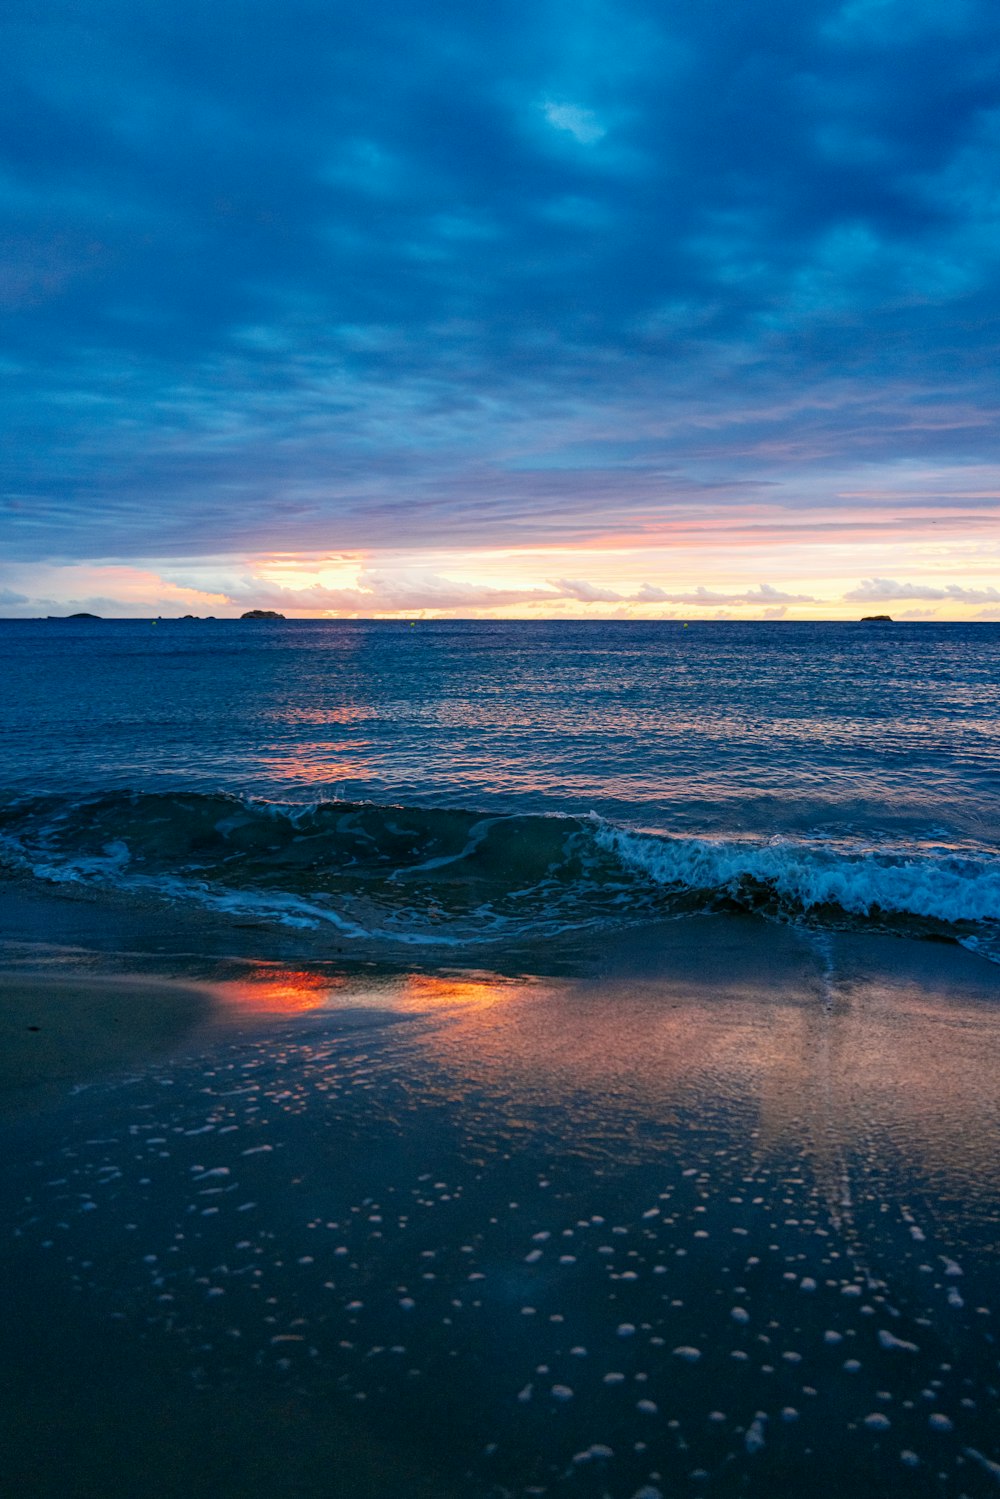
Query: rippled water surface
(850,770)
(717,726)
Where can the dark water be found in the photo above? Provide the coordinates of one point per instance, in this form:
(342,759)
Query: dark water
(471,782)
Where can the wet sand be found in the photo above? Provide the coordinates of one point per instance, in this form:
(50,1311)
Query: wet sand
(710,1209)
(57,1033)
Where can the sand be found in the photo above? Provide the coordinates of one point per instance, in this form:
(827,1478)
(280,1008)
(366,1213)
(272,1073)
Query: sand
(711,1208)
(58,1032)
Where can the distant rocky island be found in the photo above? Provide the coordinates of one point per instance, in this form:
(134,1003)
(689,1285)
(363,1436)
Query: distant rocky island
(262,614)
(876,619)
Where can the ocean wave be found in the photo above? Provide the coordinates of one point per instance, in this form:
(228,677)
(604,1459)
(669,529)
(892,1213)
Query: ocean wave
(859,881)
(442,876)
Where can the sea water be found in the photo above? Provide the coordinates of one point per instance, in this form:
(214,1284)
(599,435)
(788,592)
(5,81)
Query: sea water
(587,1113)
(468,782)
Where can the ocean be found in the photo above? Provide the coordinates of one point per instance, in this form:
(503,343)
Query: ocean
(487,1060)
(438,782)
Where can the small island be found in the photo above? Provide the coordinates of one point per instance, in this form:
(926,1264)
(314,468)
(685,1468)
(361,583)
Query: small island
(82,615)
(876,619)
(262,614)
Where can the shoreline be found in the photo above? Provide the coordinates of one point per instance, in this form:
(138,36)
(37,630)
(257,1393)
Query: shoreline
(90,986)
(591,1224)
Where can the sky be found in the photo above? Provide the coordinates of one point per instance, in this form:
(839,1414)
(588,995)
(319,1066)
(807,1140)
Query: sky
(670,309)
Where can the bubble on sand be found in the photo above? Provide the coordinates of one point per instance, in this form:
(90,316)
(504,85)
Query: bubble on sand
(986,1463)
(754,1439)
(889,1342)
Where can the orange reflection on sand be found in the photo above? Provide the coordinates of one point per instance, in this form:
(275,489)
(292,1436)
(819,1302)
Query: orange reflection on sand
(420,990)
(276,990)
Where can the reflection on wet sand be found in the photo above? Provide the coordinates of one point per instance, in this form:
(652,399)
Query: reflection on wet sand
(275,989)
(719,1220)
(879,1056)
(886,1054)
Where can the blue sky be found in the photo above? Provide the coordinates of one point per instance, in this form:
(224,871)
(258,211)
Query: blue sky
(448,292)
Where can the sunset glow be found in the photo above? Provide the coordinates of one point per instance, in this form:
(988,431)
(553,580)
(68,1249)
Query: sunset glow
(614,312)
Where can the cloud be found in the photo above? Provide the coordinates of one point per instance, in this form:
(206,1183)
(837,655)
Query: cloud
(8,596)
(884,590)
(580,123)
(557,272)
(388,591)
(587,593)
(764,593)
(381,592)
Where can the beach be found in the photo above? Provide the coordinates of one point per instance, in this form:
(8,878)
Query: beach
(711,1209)
(487,1061)
(500,751)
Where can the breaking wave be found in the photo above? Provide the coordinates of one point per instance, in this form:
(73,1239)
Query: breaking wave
(426,875)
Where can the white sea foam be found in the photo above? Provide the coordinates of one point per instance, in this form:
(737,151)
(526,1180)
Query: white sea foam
(859,879)
(533,873)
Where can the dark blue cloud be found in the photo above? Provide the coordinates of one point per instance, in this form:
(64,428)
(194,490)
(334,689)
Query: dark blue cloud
(299,275)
